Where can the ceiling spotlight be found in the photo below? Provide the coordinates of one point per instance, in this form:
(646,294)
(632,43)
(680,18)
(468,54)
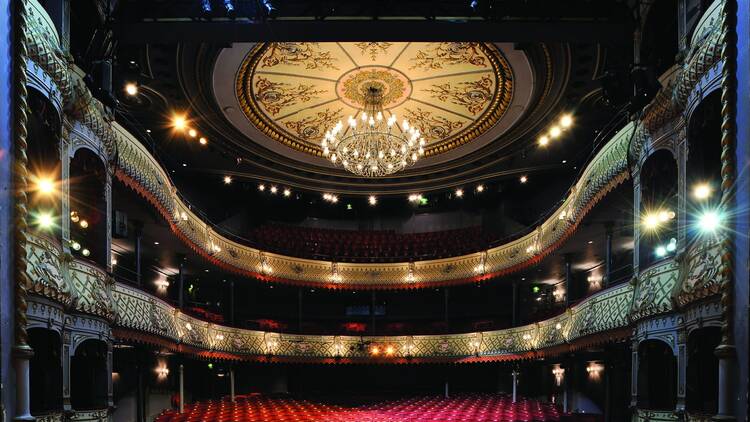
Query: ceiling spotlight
(271,10)
(84,224)
(415,197)
(229,7)
(554,132)
(227,180)
(131,89)
(709,221)
(660,251)
(459,192)
(74,217)
(566,121)
(702,191)
(44,220)
(334,199)
(372,200)
(274,189)
(523,179)
(85,252)
(202,140)
(156,243)
(543,140)
(287,192)
(480,188)
(261,187)
(651,221)
(75,245)
(179,122)
(206,6)
(45,186)
(193,133)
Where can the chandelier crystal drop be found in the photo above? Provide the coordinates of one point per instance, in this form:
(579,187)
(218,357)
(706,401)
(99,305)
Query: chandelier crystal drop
(374,146)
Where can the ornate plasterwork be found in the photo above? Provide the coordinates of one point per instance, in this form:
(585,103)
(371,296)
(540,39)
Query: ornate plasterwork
(653,289)
(472,82)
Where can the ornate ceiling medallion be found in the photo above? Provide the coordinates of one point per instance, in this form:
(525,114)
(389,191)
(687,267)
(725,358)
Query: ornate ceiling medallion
(450,92)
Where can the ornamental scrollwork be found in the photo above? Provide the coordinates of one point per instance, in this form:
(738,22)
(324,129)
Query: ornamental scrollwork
(439,55)
(472,95)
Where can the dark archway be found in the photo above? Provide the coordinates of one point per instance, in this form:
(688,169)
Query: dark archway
(88,376)
(88,206)
(45,372)
(657,376)
(658,202)
(702,371)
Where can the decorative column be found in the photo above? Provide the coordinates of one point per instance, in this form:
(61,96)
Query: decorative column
(681,370)
(608,226)
(634,375)
(726,351)
(110,392)
(515,383)
(65,357)
(681,156)
(65,183)
(138,237)
(231,382)
(568,280)
(181,281)
(182,388)
(22,352)
(108,202)
(637,217)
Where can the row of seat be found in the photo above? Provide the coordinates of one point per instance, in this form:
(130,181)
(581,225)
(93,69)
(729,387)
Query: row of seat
(473,407)
(367,246)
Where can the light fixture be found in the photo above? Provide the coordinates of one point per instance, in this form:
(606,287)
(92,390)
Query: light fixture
(75,245)
(206,6)
(261,187)
(45,185)
(179,122)
(189,326)
(523,179)
(156,243)
(389,350)
(554,132)
(558,326)
(650,221)
(559,373)
(376,146)
(44,220)
(84,224)
(480,188)
(543,140)
(666,215)
(202,140)
(114,261)
(274,189)
(229,7)
(193,133)
(415,197)
(375,350)
(372,200)
(566,121)
(131,89)
(220,337)
(287,192)
(162,371)
(459,192)
(672,245)
(709,221)
(227,180)
(660,251)
(85,252)
(74,217)
(702,191)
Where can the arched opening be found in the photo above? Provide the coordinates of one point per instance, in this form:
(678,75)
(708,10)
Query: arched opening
(702,371)
(45,372)
(43,152)
(88,207)
(659,44)
(88,376)
(703,162)
(657,376)
(658,208)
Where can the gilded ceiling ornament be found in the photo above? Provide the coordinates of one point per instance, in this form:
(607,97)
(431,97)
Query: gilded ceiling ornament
(312,128)
(373,48)
(441,54)
(276,95)
(474,95)
(308,54)
(391,86)
(433,127)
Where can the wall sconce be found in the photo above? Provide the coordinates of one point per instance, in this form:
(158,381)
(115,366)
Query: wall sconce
(162,371)
(558,294)
(594,369)
(161,284)
(220,337)
(559,373)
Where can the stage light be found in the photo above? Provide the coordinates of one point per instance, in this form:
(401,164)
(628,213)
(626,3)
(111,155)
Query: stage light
(389,350)
(543,140)
(274,189)
(131,89)
(666,215)
(229,7)
(651,221)
(415,197)
(709,221)
(334,199)
(287,192)
(271,10)
(179,122)
(372,200)
(75,245)
(375,350)
(459,193)
(566,121)
(203,141)
(114,261)
(554,132)
(45,185)
(206,6)
(227,180)
(74,217)
(44,220)
(660,251)
(672,245)
(261,187)
(523,179)
(702,191)
(193,133)
(480,188)
(84,224)
(85,252)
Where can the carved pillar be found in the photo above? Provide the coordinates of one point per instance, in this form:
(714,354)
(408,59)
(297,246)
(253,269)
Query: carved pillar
(181,282)
(681,370)
(634,363)
(110,393)
(138,238)
(65,356)
(607,254)
(568,280)
(182,388)
(231,382)
(682,35)
(636,218)
(682,190)
(65,184)
(108,202)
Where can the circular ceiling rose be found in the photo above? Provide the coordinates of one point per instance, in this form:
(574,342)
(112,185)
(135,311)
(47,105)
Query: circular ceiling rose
(451,92)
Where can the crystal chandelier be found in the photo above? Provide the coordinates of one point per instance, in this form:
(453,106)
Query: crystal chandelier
(376,146)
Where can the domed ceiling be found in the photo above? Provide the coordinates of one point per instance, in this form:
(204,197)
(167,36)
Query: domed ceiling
(452,92)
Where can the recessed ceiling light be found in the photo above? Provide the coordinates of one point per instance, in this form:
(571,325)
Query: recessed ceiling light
(480,188)
(566,120)
(543,140)
(591,241)
(227,180)
(459,192)
(524,179)
(554,132)
(287,192)
(564,161)
(184,164)
(156,243)
(179,122)
(202,140)
(274,189)
(148,130)
(372,200)
(261,187)
(131,89)
(193,133)
(206,270)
